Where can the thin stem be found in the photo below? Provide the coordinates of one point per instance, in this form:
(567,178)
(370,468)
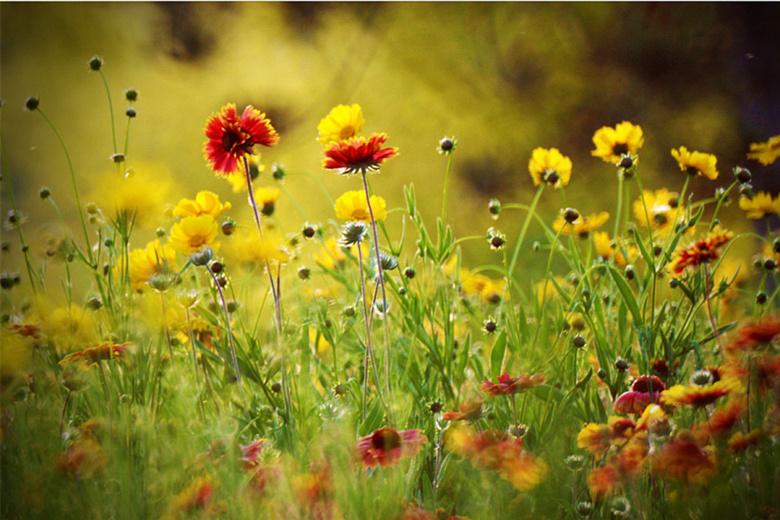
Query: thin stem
(110,108)
(446,185)
(127,136)
(707,296)
(521,238)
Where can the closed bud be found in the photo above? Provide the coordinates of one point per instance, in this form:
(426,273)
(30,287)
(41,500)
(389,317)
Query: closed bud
(630,272)
(304,273)
(570,215)
(276,387)
(131,94)
(761,298)
(308,230)
(410,273)
(436,407)
(96,63)
(216,267)
(160,232)
(45,192)
(494,207)
(31,103)
(447,145)
(742,174)
(228,226)
(131,113)
(621,364)
(770,264)
(94,303)
(578,341)
(278,171)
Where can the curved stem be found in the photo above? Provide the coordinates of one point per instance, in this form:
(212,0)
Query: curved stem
(110,109)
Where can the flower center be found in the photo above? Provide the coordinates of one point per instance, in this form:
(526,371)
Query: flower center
(237,142)
(386,439)
(619,149)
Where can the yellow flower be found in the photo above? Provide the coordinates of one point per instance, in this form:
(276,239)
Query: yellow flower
(332,254)
(145,262)
(761,205)
(139,195)
(16,355)
(696,163)
(342,123)
(765,153)
(205,203)
(193,233)
(248,248)
(352,206)
(266,199)
(71,327)
(488,289)
(549,166)
(582,226)
(661,208)
(611,143)
(606,250)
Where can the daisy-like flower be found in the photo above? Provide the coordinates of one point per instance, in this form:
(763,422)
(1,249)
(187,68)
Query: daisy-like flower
(205,203)
(469,411)
(193,233)
(683,459)
(342,123)
(604,481)
(765,153)
(231,137)
(550,167)
(92,355)
(611,143)
(488,289)
(658,209)
(250,249)
(512,385)
(267,198)
(761,205)
(352,205)
(357,154)
(606,250)
(143,263)
(703,251)
(387,445)
(645,390)
(696,163)
(755,335)
(582,226)
(598,438)
(696,396)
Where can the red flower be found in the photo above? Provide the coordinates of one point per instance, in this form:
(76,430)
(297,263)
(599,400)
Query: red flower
(470,411)
(683,459)
(93,355)
(231,137)
(645,390)
(705,250)
(357,154)
(251,453)
(386,446)
(512,385)
(755,335)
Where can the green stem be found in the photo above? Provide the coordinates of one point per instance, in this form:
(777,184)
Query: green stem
(446,185)
(520,239)
(110,109)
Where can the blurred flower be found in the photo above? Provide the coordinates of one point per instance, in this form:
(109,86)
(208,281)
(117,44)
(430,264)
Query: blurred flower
(696,396)
(230,138)
(342,123)
(606,250)
(251,453)
(604,481)
(194,233)
(696,163)
(765,153)
(658,209)
(69,326)
(332,254)
(491,291)
(550,167)
(760,205)
(755,335)
(266,199)
(469,411)
(145,262)
(512,385)
(205,203)
(611,143)
(644,391)
(92,355)
(249,249)
(352,206)
(238,182)
(683,459)
(387,445)
(598,438)
(742,441)
(357,154)
(15,355)
(703,251)
(582,226)
(196,498)
(83,459)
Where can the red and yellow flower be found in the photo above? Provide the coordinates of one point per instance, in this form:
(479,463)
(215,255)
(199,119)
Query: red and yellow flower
(388,445)
(703,251)
(357,154)
(231,138)
(512,385)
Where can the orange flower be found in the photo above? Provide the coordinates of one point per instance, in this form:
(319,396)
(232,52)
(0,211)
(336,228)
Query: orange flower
(469,411)
(604,481)
(703,251)
(741,442)
(755,335)
(696,396)
(386,446)
(92,355)
(83,459)
(357,154)
(512,385)
(230,138)
(598,438)
(683,459)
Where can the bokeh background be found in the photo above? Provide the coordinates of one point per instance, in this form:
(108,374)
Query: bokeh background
(503,78)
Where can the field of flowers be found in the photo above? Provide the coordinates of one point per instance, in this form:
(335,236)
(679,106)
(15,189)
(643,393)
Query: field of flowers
(351,365)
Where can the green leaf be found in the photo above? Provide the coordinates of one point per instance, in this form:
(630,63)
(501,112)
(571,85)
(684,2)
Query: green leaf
(628,295)
(497,355)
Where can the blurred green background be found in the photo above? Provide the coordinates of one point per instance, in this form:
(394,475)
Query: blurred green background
(503,78)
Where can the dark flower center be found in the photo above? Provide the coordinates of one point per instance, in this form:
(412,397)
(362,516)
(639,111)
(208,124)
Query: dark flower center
(235,141)
(620,149)
(385,439)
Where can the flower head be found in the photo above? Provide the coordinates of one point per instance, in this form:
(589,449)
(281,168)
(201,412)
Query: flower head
(357,154)
(703,251)
(611,143)
(231,137)
(765,153)
(582,226)
(251,249)
(342,123)
(387,445)
(205,203)
(469,411)
(92,355)
(760,205)
(266,199)
(193,233)
(658,209)
(644,391)
(683,459)
(550,167)
(352,205)
(696,396)
(605,249)
(696,163)
(143,263)
(512,385)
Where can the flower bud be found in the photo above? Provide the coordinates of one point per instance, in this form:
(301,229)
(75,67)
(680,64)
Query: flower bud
(160,232)
(578,341)
(228,226)
(621,364)
(216,267)
(742,174)
(761,298)
(96,63)
(308,230)
(436,407)
(626,161)
(770,264)
(131,94)
(447,145)
(45,192)
(278,171)
(203,257)
(32,103)
(276,387)
(570,215)
(490,326)
(410,273)
(494,207)
(118,157)
(304,273)
(94,303)
(131,113)
(630,272)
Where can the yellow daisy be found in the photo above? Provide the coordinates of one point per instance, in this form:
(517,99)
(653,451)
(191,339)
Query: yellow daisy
(205,203)
(342,123)
(765,153)
(193,233)
(658,209)
(248,248)
(549,166)
(266,199)
(606,250)
(352,206)
(696,163)
(611,143)
(582,226)
(761,205)
(145,262)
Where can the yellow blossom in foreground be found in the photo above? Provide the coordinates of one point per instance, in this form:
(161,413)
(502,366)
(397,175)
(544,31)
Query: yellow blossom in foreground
(193,234)
(248,248)
(205,203)
(549,166)
(611,143)
(145,262)
(761,205)
(352,206)
(70,326)
(696,396)
(581,227)
(765,153)
(658,209)
(15,355)
(696,163)
(340,124)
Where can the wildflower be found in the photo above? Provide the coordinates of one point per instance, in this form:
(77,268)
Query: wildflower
(230,138)
(387,445)
(238,182)
(490,326)
(488,289)
(512,385)
(657,210)
(469,411)
(352,233)
(196,497)
(755,335)
(644,391)
(194,233)
(760,205)
(447,145)
(765,153)
(266,199)
(604,481)
(683,459)
(612,143)
(352,205)
(357,154)
(740,441)
(703,251)
(138,196)
(581,226)
(84,459)
(598,438)
(496,239)
(251,453)
(205,203)
(92,355)
(252,249)
(342,123)
(696,163)
(696,396)
(605,249)
(550,167)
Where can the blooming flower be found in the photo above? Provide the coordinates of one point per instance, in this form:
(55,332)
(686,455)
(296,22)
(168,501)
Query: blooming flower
(683,459)
(512,385)
(250,248)
(92,355)
(604,481)
(488,289)
(761,205)
(357,154)
(696,163)
(611,143)
(205,203)
(193,233)
(266,199)
(143,263)
(644,391)
(658,209)
(550,167)
(231,137)
(388,445)
(705,250)
(342,123)
(352,206)
(755,335)
(469,411)
(238,182)
(696,396)
(605,249)
(598,438)
(582,226)
(765,153)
